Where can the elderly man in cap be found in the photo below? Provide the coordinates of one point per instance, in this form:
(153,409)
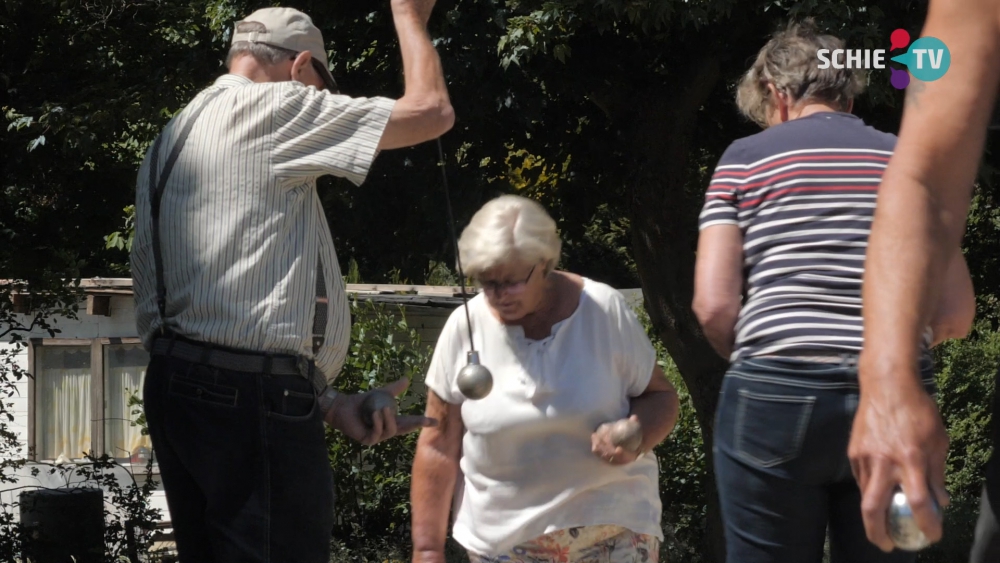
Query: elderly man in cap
(239,295)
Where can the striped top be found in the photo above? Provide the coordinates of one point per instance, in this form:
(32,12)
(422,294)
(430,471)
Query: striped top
(803,196)
(241,222)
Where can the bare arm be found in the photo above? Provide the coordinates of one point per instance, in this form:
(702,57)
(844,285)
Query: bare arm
(344,413)
(957,307)
(898,436)
(926,190)
(718,284)
(435,469)
(424,112)
(657,409)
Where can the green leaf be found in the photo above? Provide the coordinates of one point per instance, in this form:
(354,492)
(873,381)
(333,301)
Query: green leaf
(36,142)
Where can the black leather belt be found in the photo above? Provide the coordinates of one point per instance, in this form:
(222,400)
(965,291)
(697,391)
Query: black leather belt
(250,362)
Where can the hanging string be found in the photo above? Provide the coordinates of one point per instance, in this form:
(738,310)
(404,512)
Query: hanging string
(454,240)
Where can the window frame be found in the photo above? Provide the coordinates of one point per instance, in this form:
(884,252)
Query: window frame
(98,380)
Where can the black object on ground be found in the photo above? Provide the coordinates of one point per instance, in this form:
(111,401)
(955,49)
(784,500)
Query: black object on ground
(63,525)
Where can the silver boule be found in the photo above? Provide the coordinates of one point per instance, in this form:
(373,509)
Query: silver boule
(626,433)
(474,380)
(902,525)
(376,400)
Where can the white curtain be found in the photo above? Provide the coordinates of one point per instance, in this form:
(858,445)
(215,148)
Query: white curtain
(62,400)
(125,368)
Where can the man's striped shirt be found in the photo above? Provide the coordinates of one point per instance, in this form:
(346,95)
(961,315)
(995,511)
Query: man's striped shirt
(241,224)
(803,196)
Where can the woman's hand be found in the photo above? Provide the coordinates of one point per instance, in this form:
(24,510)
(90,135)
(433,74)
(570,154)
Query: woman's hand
(617,442)
(956,308)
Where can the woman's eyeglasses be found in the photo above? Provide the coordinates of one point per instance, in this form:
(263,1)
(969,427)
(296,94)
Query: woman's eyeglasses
(512,288)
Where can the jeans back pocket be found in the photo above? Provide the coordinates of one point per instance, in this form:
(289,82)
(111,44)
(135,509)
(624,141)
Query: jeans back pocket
(770,429)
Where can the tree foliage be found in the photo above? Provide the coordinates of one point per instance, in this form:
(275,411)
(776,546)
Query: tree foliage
(373,484)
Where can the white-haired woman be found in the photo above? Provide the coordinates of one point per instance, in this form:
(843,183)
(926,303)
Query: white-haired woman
(542,480)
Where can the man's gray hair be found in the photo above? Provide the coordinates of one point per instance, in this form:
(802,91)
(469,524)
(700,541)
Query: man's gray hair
(789,61)
(262,53)
(509,229)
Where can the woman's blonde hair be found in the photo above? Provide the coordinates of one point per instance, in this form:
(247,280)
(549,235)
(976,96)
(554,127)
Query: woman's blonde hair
(790,62)
(508,228)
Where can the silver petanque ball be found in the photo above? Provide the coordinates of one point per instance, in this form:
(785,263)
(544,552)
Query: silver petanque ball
(375,401)
(903,526)
(626,433)
(474,380)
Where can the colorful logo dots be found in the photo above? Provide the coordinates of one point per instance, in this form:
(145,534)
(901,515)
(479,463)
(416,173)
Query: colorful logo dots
(900,79)
(899,39)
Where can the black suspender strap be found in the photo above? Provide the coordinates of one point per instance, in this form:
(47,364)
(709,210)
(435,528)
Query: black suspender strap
(156,188)
(315,376)
(157,185)
(322,309)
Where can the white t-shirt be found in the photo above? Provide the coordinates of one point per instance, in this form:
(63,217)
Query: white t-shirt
(526,460)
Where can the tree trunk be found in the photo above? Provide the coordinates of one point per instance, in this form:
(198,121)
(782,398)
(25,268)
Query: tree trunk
(664,237)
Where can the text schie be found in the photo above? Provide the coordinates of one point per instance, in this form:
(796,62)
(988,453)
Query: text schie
(875,58)
(851,58)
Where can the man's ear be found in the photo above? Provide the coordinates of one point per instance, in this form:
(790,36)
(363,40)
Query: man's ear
(302,62)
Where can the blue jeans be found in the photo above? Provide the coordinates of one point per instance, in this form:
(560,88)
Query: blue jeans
(781,465)
(244,463)
(986,545)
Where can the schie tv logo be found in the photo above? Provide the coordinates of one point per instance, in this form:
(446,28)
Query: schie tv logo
(927,59)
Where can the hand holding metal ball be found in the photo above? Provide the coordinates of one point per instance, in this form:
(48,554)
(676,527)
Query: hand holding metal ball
(902,526)
(619,441)
(626,433)
(376,401)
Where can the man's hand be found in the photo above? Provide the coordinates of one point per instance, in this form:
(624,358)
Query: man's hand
(613,441)
(420,9)
(898,438)
(424,112)
(346,414)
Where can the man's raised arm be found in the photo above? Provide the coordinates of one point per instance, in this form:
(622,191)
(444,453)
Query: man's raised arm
(424,112)
(898,436)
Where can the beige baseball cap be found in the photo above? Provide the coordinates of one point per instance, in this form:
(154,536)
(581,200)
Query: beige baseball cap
(290,29)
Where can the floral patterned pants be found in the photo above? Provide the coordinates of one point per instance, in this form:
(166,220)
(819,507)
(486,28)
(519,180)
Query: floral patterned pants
(588,544)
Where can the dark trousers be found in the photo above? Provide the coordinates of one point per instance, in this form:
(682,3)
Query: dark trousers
(986,546)
(243,461)
(781,466)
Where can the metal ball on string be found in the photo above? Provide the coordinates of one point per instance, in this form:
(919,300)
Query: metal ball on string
(474,380)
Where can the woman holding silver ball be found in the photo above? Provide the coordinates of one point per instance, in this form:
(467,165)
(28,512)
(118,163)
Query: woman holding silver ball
(554,463)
